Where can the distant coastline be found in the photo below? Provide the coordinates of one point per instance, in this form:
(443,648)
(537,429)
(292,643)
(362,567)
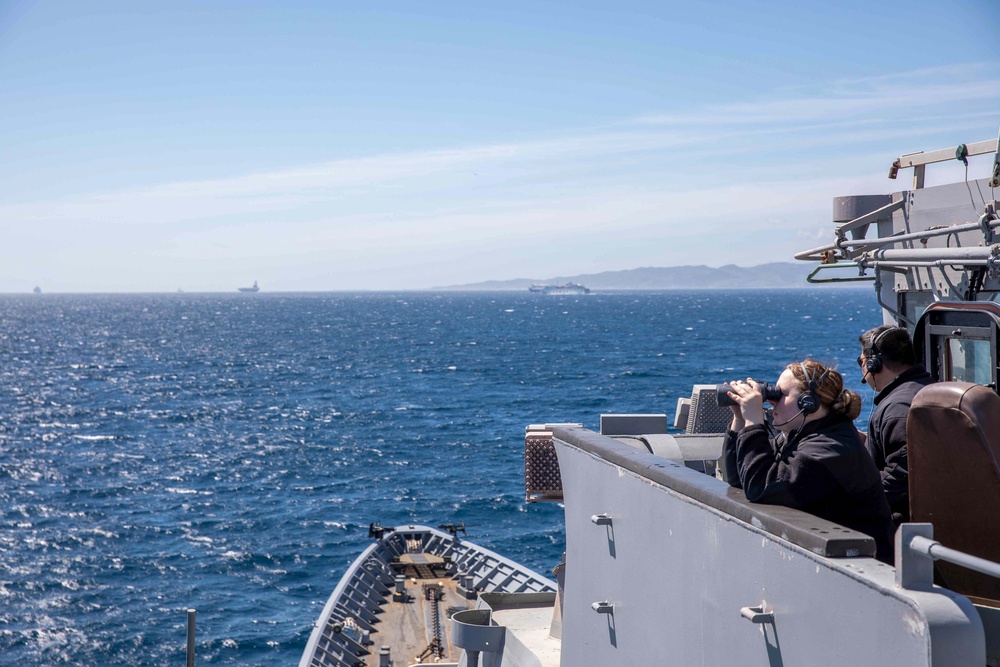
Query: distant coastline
(776,275)
(730,276)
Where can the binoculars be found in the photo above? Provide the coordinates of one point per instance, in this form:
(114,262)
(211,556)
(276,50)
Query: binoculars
(770,393)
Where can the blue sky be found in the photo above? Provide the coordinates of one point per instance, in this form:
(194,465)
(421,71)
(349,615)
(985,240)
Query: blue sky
(338,146)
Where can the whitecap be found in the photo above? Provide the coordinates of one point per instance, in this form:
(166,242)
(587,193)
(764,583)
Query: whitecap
(100,532)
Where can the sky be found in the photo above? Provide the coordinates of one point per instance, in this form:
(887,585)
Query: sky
(314,146)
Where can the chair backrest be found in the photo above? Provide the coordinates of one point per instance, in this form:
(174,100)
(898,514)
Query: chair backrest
(953,455)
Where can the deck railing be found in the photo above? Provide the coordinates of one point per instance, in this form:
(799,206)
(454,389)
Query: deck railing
(916,551)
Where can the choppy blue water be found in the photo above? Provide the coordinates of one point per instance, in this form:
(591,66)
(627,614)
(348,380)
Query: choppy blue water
(227,452)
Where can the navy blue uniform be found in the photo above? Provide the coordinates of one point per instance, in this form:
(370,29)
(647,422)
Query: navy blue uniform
(887,437)
(822,469)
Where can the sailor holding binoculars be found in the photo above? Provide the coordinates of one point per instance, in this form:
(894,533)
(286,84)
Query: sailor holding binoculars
(810,457)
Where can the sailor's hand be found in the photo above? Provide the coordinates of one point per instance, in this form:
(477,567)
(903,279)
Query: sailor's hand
(738,421)
(749,399)
(735,407)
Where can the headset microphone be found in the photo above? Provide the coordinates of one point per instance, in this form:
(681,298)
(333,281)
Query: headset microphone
(789,421)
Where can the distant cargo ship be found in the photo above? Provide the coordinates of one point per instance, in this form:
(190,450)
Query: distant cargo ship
(568,288)
(250,289)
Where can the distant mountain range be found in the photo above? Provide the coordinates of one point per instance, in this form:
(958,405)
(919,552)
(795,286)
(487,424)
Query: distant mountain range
(730,276)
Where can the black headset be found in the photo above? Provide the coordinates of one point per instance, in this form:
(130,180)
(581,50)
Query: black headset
(873,361)
(808,402)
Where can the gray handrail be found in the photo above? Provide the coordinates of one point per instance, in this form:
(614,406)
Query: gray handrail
(937,551)
(811,278)
(916,551)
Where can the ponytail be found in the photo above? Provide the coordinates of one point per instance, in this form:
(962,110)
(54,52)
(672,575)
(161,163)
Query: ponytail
(847,404)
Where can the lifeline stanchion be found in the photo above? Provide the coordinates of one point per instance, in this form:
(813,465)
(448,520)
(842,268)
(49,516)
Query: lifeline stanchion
(190,637)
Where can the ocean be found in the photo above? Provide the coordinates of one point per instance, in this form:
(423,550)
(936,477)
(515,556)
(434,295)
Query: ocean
(226,452)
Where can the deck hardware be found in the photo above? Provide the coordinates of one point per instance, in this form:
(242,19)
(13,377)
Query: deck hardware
(995,176)
(473,631)
(962,154)
(376,530)
(601,519)
(916,551)
(757,614)
(989,215)
(603,607)
(454,528)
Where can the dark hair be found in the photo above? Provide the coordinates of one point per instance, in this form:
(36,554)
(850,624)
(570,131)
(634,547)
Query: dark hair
(829,387)
(892,343)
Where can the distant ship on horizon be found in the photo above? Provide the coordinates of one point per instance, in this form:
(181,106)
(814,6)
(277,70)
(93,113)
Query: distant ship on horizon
(568,288)
(250,289)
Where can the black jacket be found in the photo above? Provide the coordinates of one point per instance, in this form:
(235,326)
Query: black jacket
(822,469)
(887,437)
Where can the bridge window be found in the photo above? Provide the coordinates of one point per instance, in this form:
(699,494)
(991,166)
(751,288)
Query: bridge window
(959,342)
(969,361)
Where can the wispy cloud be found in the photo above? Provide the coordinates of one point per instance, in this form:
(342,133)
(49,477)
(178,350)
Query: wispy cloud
(904,95)
(761,171)
(856,111)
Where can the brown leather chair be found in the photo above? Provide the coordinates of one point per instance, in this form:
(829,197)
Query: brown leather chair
(953,453)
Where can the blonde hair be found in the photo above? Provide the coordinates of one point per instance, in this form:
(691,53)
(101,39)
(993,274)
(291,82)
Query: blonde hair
(829,387)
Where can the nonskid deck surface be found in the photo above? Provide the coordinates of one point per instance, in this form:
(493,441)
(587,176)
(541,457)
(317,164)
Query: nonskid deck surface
(417,630)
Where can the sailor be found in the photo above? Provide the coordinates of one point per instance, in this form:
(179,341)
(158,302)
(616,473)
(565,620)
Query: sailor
(810,457)
(890,368)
